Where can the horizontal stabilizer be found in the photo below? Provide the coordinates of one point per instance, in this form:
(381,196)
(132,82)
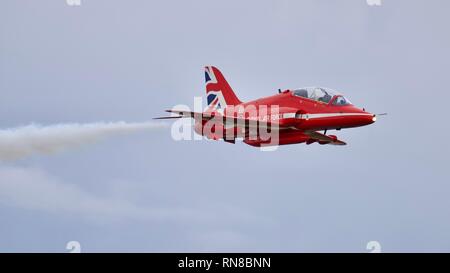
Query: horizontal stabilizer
(188,114)
(168,117)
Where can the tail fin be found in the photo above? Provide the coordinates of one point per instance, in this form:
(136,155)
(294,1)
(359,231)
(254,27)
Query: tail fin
(218,92)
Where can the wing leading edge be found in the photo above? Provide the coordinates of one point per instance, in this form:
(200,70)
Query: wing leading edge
(314,135)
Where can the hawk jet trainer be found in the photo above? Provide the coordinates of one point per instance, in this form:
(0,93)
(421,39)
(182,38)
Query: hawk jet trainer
(303,115)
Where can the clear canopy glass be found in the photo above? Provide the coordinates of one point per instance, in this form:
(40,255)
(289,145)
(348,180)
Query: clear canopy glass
(341,101)
(321,94)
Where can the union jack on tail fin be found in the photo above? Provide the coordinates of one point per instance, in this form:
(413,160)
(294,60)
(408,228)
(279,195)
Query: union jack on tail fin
(218,92)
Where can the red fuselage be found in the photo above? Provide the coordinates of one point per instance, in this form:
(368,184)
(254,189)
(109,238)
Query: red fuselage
(315,115)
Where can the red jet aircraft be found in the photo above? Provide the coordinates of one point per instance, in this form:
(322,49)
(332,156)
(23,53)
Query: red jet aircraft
(295,116)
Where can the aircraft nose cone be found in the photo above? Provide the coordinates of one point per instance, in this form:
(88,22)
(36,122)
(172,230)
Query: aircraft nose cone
(370,118)
(367,118)
(374,118)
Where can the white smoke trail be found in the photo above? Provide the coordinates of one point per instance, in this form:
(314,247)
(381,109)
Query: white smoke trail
(20,142)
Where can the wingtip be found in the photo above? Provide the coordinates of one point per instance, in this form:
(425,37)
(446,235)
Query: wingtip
(338,142)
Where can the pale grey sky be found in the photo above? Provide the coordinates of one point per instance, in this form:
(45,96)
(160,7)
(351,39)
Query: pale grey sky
(111,60)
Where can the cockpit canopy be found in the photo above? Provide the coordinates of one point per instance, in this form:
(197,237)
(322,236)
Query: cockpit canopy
(321,94)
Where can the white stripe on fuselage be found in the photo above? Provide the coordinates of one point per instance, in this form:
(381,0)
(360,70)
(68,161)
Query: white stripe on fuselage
(275,117)
(330,115)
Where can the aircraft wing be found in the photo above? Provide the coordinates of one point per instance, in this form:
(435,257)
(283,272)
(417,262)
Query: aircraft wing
(248,124)
(326,139)
(228,122)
